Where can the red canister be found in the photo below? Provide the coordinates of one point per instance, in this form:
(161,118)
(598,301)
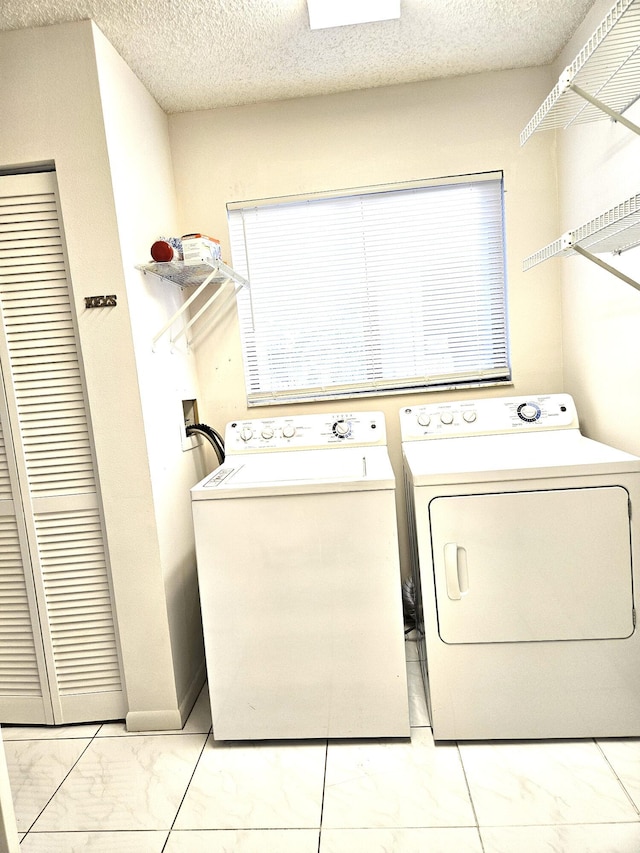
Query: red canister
(162,252)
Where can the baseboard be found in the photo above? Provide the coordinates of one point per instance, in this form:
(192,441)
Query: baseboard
(173,719)
(193,691)
(154,721)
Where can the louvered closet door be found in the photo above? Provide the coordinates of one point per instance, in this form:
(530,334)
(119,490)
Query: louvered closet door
(24,692)
(56,569)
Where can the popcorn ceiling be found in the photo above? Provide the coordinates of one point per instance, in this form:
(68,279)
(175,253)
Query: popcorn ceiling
(202,54)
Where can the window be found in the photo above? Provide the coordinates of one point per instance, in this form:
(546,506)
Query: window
(374,291)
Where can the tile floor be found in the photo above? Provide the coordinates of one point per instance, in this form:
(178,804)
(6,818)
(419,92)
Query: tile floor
(98,788)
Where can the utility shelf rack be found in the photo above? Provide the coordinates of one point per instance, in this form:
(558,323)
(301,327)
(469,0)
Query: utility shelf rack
(200,276)
(616,230)
(603,80)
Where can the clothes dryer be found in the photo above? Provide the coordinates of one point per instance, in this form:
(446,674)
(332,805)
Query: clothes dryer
(298,568)
(525,546)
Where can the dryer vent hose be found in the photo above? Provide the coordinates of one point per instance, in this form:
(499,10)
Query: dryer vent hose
(212,436)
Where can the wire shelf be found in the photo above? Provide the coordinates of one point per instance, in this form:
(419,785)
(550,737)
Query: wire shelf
(200,276)
(181,274)
(607,68)
(615,231)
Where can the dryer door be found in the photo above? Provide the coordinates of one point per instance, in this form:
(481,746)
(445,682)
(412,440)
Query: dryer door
(531,566)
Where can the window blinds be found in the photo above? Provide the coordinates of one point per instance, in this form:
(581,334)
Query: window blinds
(373,292)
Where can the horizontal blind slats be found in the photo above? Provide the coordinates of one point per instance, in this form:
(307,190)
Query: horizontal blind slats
(375,291)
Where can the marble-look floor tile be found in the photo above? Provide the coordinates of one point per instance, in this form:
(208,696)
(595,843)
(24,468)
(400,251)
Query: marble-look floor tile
(546,782)
(80,730)
(267,785)
(198,722)
(418,712)
(623,754)
(124,783)
(395,784)
(94,842)
(447,840)
(243,841)
(592,838)
(36,769)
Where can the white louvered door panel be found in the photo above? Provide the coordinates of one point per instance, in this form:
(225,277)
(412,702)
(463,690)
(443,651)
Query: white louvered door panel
(55,464)
(24,692)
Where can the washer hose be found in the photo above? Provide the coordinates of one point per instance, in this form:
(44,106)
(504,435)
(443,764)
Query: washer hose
(211,435)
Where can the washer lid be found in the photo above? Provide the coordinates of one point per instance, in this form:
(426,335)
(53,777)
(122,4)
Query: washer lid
(298,472)
(488,457)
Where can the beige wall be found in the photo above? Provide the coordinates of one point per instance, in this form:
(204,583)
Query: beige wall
(51,102)
(598,169)
(424,130)
(145,204)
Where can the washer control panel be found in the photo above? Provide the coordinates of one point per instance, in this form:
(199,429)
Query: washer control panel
(488,416)
(305,432)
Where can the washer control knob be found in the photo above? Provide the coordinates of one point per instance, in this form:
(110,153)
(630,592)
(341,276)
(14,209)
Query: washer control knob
(424,419)
(342,429)
(267,432)
(288,430)
(469,416)
(446,417)
(246,433)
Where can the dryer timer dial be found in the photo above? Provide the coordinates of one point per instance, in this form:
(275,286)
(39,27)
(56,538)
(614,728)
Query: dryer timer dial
(529,412)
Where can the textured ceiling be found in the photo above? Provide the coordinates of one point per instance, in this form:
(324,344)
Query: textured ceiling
(200,54)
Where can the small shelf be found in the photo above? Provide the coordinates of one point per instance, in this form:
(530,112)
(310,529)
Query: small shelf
(615,231)
(184,275)
(603,80)
(200,276)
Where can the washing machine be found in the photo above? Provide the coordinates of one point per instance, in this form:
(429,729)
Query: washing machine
(524,542)
(298,568)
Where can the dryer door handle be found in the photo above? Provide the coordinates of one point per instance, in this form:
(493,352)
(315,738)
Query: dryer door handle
(455,571)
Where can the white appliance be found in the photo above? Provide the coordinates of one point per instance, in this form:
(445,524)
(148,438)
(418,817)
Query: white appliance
(298,567)
(524,553)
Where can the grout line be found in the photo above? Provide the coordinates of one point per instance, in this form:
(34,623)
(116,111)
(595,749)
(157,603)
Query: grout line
(66,776)
(613,770)
(324,783)
(154,733)
(473,807)
(173,822)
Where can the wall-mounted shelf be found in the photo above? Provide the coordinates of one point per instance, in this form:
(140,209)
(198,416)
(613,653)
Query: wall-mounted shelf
(615,231)
(214,273)
(603,80)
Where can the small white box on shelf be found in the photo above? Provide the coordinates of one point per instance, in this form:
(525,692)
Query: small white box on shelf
(198,248)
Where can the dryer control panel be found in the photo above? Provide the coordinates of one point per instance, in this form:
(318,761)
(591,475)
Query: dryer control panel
(306,432)
(488,416)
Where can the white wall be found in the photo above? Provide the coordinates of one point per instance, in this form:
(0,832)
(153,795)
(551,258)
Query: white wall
(400,133)
(598,169)
(51,103)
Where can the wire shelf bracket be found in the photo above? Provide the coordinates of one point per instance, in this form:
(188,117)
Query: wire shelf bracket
(616,230)
(603,79)
(201,276)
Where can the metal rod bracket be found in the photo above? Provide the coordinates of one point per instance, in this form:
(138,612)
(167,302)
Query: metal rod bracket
(606,266)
